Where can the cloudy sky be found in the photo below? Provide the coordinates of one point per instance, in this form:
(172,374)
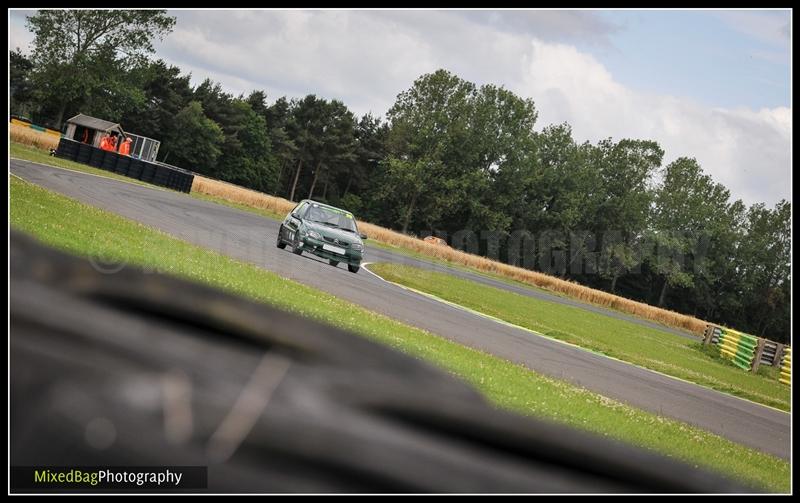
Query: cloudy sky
(714,85)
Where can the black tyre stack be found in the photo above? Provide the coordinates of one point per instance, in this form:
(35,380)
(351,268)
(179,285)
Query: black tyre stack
(84,152)
(123,165)
(135,169)
(67,150)
(157,174)
(110,161)
(148,172)
(96,158)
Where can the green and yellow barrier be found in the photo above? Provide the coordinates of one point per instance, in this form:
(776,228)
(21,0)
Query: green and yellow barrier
(738,347)
(748,352)
(40,129)
(786,366)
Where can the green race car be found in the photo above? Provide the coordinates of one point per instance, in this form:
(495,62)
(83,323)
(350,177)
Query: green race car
(325,231)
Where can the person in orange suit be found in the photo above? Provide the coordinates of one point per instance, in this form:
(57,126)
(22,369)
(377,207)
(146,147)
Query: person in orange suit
(105,143)
(125,148)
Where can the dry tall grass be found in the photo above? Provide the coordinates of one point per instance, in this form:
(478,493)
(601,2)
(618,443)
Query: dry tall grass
(28,136)
(241,195)
(279,205)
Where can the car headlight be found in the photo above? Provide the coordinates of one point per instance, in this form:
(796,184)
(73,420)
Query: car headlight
(314,235)
(357,246)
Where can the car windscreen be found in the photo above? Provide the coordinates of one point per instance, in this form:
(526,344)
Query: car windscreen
(331,217)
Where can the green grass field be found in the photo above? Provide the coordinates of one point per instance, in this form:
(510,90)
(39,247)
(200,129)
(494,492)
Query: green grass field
(66,224)
(653,349)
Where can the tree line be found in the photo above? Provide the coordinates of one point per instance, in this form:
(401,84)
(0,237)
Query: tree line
(465,162)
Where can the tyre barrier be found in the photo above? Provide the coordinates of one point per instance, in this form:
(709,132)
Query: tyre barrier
(122,166)
(83,155)
(68,149)
(786,367)
(148,172)
(109,162)
(96,158)
(135,169)
(157,174)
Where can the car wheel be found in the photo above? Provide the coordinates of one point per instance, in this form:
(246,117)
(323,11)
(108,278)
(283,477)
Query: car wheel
(280,244)
(296,248)
(352,268)
(334,263)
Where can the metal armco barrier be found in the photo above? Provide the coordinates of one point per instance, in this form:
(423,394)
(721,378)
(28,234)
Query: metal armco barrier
(769,353)
(155,173)
(786,366)
(712,334)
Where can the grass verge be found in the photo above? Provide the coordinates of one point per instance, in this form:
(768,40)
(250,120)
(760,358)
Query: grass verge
(66,224)
(633,343)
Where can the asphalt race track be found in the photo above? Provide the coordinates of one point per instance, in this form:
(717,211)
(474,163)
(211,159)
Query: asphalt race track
(249,237)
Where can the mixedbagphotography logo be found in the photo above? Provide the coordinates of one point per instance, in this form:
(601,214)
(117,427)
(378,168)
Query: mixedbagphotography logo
(134,478)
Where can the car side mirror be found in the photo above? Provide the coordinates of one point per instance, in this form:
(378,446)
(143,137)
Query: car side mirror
(363,236)
(295,215)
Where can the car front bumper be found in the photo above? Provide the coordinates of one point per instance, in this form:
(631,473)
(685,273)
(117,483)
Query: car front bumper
(314,246)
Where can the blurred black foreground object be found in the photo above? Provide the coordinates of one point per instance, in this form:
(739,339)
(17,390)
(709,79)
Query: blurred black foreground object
(136,368)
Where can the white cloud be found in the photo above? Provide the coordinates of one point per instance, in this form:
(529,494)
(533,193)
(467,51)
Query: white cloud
(746,150)
(334,54)
(364,58)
